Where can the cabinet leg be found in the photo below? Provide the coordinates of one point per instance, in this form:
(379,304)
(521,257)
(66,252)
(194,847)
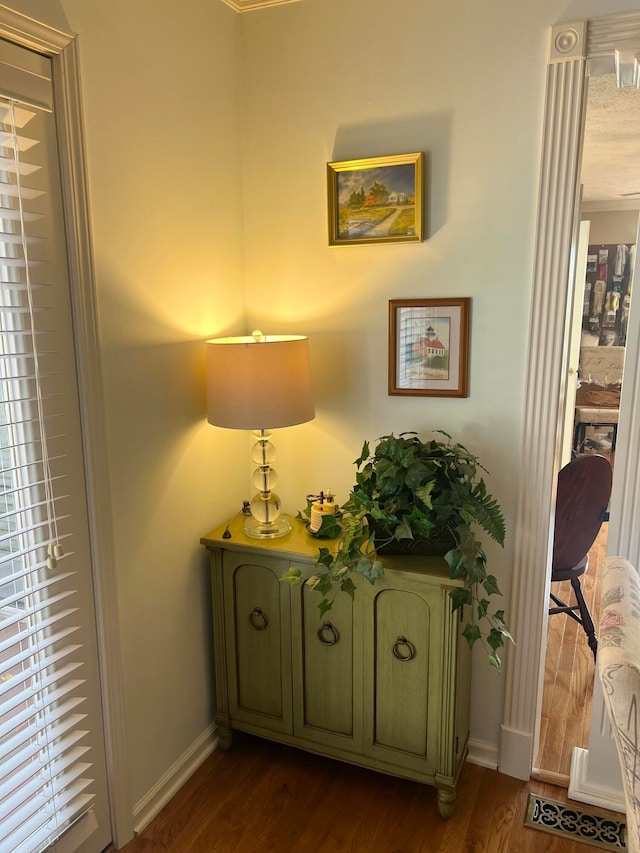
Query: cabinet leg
(446,801)
(225,735)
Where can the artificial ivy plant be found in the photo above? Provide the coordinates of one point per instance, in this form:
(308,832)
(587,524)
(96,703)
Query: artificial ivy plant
(421,497)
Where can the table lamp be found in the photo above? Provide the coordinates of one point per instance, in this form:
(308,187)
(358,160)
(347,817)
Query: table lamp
(259,383)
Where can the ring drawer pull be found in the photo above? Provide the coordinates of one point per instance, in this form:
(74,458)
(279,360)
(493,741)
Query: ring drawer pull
(327,626)
(402,641)
(257,619)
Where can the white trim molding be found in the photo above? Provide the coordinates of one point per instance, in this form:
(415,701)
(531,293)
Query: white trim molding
(585,792)
(170,782)
(249,5)
(546,391)
(483,753)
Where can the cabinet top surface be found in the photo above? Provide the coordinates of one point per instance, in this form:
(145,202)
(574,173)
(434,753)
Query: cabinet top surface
(301,545)
(299,542)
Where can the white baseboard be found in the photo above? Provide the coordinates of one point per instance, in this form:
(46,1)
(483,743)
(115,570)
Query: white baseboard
(516,750)
(483,753)
(583,791)
(157,797)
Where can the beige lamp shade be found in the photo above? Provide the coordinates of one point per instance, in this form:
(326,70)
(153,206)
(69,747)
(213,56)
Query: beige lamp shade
(259,382)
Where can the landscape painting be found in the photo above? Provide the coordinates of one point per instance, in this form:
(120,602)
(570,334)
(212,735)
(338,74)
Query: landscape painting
(377,200)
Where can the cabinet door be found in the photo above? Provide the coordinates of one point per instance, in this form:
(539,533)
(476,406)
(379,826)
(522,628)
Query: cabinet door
(258,638)
(327,660)
(403,675)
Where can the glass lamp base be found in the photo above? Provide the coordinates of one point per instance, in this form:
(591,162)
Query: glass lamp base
(267,529)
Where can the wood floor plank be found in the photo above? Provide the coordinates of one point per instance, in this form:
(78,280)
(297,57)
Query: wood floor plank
(569,675)
(262,797)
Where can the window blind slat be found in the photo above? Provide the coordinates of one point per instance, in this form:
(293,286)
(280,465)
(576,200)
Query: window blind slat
(34,788)
(68,805)
(30,549)
(18,531)
(55,720)
(32,671)
(21,778)
(74,737)
(38,588)
(31,694)
(45,834)
(43,624)
(30,464)
(39,706)
(33,484)
(26,507)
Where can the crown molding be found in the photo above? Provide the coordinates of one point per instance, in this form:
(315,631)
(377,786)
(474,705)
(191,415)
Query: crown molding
(249,5)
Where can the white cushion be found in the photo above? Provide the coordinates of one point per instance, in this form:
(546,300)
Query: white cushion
(619,671)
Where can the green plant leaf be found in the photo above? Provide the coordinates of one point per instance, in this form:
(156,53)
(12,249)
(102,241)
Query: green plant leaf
(486,512)
(457,563)
(490,585)
(329,527)
(403,530)
(324,584)
(459,597)
(364,454)
(417,475)
(325,557)
(348,586)
(425,492)
(292,576)
(483,608)
(370,569)
(324,606)
(494,639)
(471,633)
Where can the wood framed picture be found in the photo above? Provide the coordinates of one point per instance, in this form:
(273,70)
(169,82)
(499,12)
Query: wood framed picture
(429,347)
(376,200)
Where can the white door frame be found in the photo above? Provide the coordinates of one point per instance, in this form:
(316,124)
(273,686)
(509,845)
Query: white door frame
(558,217)
(61,47)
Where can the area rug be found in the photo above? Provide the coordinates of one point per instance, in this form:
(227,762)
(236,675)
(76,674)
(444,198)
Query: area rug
(575,824)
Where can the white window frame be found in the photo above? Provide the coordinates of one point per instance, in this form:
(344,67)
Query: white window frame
(61,47)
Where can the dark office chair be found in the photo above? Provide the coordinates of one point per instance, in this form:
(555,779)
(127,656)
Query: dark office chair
(584,489)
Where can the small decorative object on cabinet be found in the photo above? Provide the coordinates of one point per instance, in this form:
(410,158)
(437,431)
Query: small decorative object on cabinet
(382,683)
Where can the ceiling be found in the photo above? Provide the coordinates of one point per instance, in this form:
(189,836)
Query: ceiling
(611,154)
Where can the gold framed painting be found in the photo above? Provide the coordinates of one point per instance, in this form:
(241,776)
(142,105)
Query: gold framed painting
(376,200)
(429,347)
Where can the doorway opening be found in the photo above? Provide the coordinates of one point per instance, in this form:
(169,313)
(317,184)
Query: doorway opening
(604,272)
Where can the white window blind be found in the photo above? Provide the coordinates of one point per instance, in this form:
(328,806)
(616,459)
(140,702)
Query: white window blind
(45,756)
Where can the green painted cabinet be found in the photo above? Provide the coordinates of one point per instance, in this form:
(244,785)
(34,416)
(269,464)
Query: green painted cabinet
(381,680)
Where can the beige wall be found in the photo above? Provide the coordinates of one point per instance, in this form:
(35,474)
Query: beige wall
(356,79)
(161,113)
(612,226)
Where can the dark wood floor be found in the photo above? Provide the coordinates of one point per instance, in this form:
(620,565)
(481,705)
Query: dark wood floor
(262,797)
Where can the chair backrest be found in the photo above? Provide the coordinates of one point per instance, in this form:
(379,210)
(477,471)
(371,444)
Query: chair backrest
(584,489)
